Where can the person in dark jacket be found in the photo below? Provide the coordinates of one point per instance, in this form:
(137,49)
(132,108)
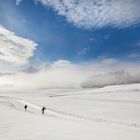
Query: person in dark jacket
(43,109)
(25,107)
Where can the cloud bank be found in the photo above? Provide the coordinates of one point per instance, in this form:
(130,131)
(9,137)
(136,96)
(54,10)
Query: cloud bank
(65,74)
(15,49)
(111,78)
(97,13)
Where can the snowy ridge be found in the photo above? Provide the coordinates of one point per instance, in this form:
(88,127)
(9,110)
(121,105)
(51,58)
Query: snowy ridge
(102,114)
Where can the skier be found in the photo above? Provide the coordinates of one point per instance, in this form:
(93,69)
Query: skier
(25,107)
(43,109)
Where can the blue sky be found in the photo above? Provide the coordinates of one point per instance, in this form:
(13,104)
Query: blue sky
(67,35)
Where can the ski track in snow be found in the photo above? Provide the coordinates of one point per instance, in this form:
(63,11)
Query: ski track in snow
(88,92)
(11,101)
(109,100)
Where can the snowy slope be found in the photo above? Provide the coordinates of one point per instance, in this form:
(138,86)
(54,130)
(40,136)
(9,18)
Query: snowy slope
(109,113)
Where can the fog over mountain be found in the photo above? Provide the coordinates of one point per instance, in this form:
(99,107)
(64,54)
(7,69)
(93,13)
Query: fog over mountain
(64,74)
(111,78)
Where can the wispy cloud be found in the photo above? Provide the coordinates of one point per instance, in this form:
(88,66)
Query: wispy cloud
(18,2)
(134,55)
(15,49)
(83,51)
(137,44)
(97,13)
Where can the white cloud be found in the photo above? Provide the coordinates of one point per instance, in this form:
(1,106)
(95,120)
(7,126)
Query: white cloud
(83,51)
(65,74)
(61,64)
(15,49)
(97,13)
(18,2)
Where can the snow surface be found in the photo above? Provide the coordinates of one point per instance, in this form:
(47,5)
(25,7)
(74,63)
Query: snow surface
(109,113)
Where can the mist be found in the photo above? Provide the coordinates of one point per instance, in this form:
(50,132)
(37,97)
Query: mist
(111,78)
(64,74)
